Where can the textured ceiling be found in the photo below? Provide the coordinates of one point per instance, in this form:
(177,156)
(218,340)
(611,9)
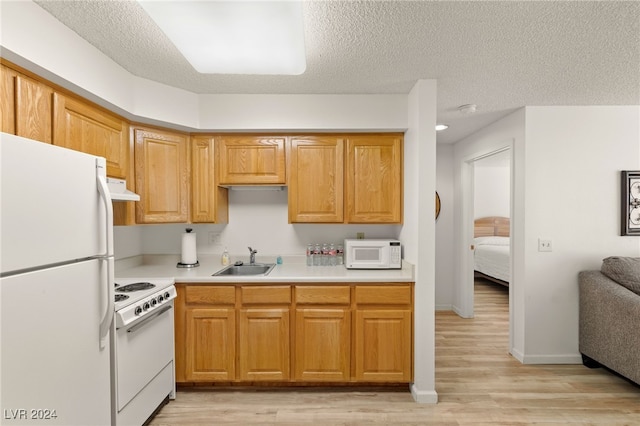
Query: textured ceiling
(498,55)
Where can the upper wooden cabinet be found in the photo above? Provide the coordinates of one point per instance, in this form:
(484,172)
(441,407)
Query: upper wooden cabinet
(374,178)
(161,176)
(316,179)
(209,202)
(7,100)
(26,106)
(82,127)
(251,160)
(33,109)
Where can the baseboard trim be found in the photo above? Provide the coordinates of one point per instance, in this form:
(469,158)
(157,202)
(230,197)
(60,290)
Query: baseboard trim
(423,396)
(552,359)
(444,308)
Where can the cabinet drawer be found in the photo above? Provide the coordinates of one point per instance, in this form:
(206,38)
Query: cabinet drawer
(383,295)
(323,295)
(266,295)
(211,295)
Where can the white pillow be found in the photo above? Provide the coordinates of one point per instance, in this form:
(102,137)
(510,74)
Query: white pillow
(491,241)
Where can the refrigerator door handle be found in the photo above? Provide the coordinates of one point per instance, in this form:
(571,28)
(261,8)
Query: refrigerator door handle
(107,319)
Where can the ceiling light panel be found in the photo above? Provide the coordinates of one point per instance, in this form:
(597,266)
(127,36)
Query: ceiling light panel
(234,37)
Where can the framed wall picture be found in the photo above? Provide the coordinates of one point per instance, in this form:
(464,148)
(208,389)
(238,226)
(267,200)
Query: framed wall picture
(630,209)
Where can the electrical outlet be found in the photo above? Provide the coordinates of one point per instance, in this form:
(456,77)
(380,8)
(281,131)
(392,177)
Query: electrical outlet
(214,238)
(360,235)
(544,244)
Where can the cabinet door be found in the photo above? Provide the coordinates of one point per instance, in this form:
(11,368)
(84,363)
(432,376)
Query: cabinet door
(33,112)
(209,202)
(323,348)
(210,344)
(82,127)
(161,176)
(383,333)
(7,100)
(264,344)
(383,348)
(374,179)
(251,160)
(316,185)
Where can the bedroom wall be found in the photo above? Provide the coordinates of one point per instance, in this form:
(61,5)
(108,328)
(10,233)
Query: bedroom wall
(491,186)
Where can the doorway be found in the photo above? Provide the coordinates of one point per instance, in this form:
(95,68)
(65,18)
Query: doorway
(487,191)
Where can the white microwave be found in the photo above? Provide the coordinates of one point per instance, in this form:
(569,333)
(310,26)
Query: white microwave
(372,254)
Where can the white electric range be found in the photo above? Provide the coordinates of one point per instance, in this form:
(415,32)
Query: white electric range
(143,347)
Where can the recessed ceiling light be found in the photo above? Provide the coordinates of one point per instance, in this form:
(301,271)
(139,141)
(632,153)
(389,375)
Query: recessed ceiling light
(234,37)
(440,127)
(468,108)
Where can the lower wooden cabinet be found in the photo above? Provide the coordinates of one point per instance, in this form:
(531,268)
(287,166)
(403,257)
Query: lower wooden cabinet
(263,344)
(210,342)
(323,345)
(347,333)
(383,333)
(205,333)
(323,333)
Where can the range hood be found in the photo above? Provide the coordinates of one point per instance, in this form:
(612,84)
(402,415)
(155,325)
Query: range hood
(119,192)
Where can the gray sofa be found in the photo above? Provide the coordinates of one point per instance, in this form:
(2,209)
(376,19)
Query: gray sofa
(610,316)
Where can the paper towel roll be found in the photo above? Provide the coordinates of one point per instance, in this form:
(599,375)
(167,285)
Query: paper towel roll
(189,248)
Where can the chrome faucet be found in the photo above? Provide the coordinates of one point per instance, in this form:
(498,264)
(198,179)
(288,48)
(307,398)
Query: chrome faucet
(252,256)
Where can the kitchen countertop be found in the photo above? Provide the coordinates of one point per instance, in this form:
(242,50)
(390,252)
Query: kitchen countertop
(293,269)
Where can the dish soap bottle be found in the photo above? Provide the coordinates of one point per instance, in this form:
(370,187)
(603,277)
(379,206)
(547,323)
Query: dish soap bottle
(225,257)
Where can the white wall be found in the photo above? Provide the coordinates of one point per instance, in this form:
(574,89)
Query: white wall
(491,187)
(60,55)
(257,219)
(566,165)
(444,228)
(575,202)
(418,232)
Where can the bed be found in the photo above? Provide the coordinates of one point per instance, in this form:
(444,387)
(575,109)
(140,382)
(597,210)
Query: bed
(491,249)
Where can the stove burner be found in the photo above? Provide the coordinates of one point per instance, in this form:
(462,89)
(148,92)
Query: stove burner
(121,297)
(134,287)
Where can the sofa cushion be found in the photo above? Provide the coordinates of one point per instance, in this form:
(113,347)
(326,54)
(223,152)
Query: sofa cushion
(623,270)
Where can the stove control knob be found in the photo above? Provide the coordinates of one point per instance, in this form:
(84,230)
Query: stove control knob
(160,299)
(167,296)
(145,307)
(153,302)
(138,310)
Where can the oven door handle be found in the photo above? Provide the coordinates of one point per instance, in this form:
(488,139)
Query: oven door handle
(148,318)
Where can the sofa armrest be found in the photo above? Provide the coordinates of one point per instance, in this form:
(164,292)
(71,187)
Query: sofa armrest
(610,324)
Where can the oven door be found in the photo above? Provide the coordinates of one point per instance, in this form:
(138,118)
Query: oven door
(143,349)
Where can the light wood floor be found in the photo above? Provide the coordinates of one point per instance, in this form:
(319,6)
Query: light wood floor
(477,382)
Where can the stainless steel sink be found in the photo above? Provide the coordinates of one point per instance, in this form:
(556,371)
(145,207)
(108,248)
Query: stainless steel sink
(255,269)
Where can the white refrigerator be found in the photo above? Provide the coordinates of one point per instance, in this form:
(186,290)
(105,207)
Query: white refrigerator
(56,286)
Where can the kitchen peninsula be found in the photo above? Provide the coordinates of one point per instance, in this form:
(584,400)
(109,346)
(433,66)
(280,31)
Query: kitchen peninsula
(298,325)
